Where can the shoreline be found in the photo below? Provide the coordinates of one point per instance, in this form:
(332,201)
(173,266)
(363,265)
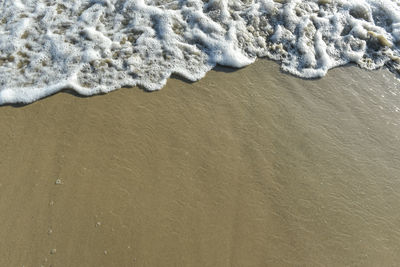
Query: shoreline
(218,68)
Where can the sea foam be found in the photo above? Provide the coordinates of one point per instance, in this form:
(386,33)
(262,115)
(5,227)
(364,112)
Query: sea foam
(95,46)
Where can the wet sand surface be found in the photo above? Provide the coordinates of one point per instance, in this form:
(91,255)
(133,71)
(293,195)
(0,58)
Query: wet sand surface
(252,167)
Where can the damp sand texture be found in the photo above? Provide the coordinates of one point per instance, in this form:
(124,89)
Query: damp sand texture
(268,170)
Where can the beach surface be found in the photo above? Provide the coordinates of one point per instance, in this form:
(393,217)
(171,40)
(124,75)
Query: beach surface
(248,167)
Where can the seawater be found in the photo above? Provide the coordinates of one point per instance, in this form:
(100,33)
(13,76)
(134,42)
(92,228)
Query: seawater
(96,46)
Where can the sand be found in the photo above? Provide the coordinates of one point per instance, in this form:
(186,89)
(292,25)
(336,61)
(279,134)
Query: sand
(251,167)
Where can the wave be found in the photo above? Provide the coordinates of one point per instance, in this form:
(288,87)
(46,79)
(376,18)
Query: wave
(96,46)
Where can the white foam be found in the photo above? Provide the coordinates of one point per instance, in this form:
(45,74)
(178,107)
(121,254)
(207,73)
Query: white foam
(99,46)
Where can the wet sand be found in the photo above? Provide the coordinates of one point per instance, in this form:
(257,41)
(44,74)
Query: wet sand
(252,167)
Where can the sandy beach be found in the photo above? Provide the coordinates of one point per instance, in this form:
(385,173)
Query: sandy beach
(249,167)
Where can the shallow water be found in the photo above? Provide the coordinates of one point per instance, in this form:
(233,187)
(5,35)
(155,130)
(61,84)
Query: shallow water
(98,46)
(246,168)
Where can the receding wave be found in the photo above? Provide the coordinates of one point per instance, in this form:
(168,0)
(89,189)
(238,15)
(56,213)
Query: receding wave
(95,46)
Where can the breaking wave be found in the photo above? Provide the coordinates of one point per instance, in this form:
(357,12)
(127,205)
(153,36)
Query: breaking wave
(95,46)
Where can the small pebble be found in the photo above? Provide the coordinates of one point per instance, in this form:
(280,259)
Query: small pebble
(58,181)
(98,224)
(53,251)
(105,252)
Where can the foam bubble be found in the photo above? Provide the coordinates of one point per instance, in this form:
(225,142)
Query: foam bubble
(99,46)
